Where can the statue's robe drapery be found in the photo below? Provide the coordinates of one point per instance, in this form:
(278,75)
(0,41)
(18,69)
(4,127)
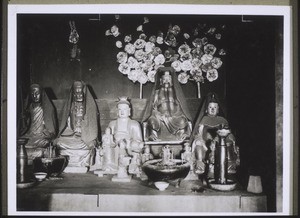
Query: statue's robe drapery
(127,129)
(167,106)
(205,131)
(78,131)
(42,126)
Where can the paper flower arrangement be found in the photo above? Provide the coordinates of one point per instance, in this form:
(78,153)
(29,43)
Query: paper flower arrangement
(192,55)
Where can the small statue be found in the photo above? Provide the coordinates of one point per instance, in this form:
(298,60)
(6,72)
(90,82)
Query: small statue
(147,155)
(188,156)
(166,116)
(110,152)
(124,159)
(78,131)
(127,132)
(206,139)
(167,155)
(41,123)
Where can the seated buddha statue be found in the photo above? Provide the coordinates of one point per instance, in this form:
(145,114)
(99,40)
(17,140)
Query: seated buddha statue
(166,116)
(42,123)
(78,130)
(127,133)
(206,139)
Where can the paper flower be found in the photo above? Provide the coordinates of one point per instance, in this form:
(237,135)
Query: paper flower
(129,48)
(176,65)
(212,75)
(216,62)
(139,28)
(222,52)
(143,36)
(186,35)
(189,53)
(218,36)
(210,49)
(159,59)
(206,67)
(186,65)
(128,38)
(184,49)
(122,57)
(114,30)
(124,68)
(132,62)
(152,39)
(119,44)
(142,78)
(139,44)
(156,51)
(197,42)
(149,46)
(160,40)
(196,63)
(206,58)
(151,76)
(183,78)
(133,75)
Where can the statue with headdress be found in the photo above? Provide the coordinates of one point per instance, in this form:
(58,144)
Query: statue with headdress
(166,116)
(41,123)
(206,137)
(127,135)
(78,130)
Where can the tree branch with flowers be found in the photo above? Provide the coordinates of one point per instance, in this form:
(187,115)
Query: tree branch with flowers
(192,55)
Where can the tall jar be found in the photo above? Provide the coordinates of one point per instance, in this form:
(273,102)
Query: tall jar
(22,159)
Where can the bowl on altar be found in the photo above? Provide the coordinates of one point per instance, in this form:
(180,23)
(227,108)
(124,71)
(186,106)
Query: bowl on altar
(40,176)
(53,166)
(157,171)
(161,185)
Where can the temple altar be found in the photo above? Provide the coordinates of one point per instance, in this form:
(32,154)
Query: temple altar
(89,193)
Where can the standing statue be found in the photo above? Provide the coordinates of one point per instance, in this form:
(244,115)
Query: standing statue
(110,152)
(42,123)
(126,132)
(206,138)
(78,131)
(166,116)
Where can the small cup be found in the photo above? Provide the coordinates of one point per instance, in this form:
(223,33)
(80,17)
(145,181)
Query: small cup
(40,176)
(254,184)
(161,185)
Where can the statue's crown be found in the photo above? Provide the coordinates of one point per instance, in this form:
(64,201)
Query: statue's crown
(123,100)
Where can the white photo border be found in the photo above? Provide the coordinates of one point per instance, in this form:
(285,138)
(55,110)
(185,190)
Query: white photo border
(285,11)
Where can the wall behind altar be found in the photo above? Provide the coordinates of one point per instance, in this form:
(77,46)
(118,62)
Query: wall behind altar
(246,81)
(44,54)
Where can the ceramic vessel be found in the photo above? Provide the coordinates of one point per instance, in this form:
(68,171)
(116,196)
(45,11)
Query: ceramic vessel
(161,185)
(40,176)
(156,171)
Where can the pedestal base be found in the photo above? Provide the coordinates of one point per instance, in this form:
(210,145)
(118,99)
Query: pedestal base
(121,179)
(101,173)
(76,170)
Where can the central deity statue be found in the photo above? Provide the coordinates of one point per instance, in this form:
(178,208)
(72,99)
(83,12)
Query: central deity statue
(166,116)
(78,131)
(42,124)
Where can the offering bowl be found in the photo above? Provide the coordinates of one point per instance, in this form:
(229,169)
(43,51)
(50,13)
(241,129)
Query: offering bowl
(161,185)
(40,176)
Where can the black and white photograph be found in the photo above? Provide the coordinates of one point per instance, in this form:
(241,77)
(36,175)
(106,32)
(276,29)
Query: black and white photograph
(140,109)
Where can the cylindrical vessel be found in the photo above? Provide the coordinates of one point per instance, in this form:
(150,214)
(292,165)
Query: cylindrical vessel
(22,159)
(221,162)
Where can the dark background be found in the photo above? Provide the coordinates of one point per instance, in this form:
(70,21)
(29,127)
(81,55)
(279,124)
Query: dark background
(246,83)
